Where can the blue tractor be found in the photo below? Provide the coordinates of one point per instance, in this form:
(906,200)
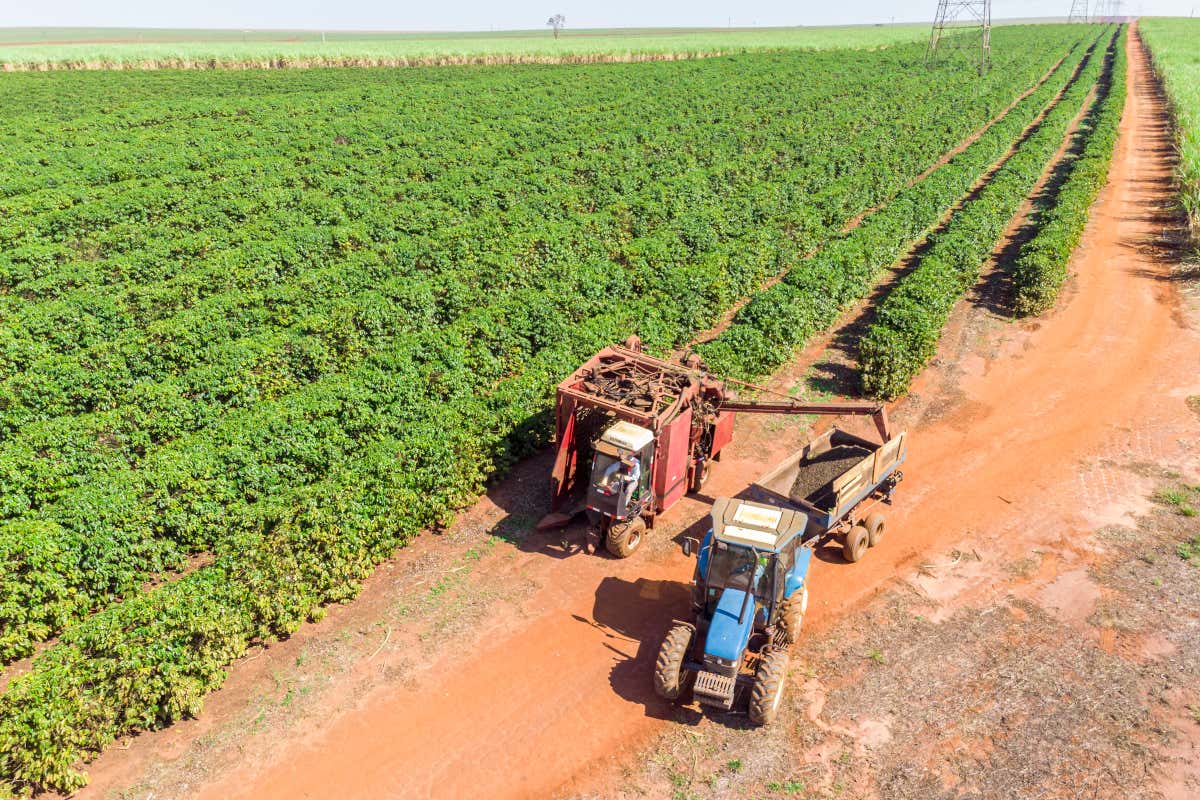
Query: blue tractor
(749,597)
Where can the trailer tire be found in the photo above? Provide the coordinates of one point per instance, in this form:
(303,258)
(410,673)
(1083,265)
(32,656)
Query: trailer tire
(700,476)
(791,618)
(857,542)
(670,677)
(767,694)
(874,525)
(624,538)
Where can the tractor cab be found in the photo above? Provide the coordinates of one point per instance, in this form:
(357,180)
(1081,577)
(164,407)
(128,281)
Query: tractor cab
(619,490)
(748,602)
(749,553)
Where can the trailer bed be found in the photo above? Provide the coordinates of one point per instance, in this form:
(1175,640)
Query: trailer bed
(830,477)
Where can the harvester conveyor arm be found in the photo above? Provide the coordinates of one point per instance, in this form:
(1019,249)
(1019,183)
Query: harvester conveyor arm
(877,411)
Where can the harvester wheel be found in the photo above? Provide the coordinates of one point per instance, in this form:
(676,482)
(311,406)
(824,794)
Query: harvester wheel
(792,617)
(670,678)
(874,524)
(857,542)
(701,476)
(624,537)
(767,693)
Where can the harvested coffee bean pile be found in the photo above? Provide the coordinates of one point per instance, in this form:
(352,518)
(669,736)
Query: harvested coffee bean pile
(819,472)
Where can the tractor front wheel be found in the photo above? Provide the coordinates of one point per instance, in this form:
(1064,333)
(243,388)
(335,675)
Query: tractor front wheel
(857,542)
(670,678)
(792,616)
(767,693)
(624,537)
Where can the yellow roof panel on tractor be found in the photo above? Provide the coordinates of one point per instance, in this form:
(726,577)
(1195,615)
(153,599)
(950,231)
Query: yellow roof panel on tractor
(758,516)
(763,540)
(755,525)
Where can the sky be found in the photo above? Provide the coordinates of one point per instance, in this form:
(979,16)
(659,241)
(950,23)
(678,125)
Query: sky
(508,14)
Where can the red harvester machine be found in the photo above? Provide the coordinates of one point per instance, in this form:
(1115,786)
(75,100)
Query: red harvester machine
(635,433)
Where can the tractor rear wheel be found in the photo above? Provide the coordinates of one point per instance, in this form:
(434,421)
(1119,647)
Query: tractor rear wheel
(792,616)
(624,537)
(670,678)
(857,542)
(874,525)
(769,681)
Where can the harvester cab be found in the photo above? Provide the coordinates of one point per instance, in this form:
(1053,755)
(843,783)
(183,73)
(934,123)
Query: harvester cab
(619,494)
(748,601)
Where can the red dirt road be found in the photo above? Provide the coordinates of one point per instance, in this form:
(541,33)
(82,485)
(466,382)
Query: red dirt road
(549,698)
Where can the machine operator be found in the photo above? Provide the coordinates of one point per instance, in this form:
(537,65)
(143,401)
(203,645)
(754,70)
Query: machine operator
(623,475)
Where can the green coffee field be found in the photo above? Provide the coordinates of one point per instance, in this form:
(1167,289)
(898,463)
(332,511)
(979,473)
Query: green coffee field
(264,327)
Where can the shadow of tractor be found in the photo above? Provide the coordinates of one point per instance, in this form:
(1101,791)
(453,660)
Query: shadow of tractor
(636,615)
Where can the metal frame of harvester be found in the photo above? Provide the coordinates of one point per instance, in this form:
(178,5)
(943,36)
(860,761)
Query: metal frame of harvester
(689,416)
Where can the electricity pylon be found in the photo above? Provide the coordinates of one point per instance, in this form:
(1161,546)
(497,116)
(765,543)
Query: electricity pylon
(962,25)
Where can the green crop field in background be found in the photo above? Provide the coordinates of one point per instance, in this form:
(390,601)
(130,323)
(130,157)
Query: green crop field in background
(1175,45)
(80,47)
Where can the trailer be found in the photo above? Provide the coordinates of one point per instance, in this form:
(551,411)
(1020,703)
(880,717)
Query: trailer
(635,433)
(838,481)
